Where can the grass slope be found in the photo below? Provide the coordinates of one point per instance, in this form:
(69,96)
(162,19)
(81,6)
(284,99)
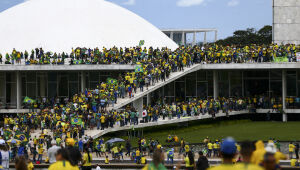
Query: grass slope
(239,129)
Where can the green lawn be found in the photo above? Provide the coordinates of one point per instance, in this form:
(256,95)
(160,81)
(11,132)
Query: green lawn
(239,129)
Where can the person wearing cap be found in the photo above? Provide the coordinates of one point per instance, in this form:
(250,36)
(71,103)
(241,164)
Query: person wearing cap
(247,149)
(52,152)
(228,153)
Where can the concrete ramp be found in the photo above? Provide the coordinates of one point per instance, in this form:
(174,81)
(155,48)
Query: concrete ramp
(138,95)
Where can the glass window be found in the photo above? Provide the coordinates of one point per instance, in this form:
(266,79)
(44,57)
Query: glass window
(276,74)
(202,90)
(73,76)
(291,83)
(201,75)
(52,87)
(63,86)
(169,89)
(191,84)
(94,76)
(180,91)
(31,76)
(31,90)
(52,77)
(256,74)
(73,89)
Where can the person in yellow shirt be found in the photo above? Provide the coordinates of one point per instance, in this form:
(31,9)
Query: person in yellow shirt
(143,160)
(258,155)
(189,161)
(106,160)
(40,153)
(291,150)
(87,160)
(62,161)
(294,162)
(138,156)
(30,165)
(210,148)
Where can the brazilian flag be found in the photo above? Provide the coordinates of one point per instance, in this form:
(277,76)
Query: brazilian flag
(139,69)
(21,136)
(112,81)
(280,59)
(77,62)
(28,100)
(141,43)
(76,121)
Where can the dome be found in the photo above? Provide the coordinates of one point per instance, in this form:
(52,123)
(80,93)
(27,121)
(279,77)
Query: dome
(59,25)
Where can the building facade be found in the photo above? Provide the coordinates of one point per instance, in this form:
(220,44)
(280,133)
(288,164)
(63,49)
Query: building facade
(234,80)
(286,21)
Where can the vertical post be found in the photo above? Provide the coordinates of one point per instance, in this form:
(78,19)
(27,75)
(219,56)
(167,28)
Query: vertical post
(138,105)
(216,35)
(204,41)
(172,35)
(183,38)
(284,115)
(19,90)
(83,81)
(216,84)
(194,38)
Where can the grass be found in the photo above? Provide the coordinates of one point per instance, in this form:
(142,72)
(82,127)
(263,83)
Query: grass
(239,129)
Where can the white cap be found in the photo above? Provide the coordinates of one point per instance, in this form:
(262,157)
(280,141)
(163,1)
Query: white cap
(271,148)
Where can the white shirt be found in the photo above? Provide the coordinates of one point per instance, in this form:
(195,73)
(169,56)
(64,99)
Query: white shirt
(5,159)
(51,153)
(98,168)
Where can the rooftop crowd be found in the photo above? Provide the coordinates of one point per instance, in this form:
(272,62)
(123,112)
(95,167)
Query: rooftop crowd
(211,53)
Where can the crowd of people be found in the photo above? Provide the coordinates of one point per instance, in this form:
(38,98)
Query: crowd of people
(211,53)
(243,155)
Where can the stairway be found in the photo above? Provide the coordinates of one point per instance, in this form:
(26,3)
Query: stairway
(139,94)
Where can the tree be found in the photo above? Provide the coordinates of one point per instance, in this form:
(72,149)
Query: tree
(249,36)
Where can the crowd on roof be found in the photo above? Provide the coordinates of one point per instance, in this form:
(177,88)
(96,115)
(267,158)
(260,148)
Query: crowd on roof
(211,53)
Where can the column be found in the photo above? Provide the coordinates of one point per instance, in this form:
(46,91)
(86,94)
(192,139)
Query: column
(284,115)
(83,81)
(216,35)
(138,105)
(19,90)
(183,38)
(204,41)
(194,38)
(148,99)
(216,84)
(172,35)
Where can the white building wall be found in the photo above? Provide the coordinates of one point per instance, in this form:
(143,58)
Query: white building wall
(286,21)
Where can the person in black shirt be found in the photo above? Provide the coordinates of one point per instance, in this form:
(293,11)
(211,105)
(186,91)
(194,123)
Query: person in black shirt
(202,163)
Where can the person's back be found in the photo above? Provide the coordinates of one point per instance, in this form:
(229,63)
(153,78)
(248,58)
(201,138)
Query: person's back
(202,163)
(62,165)
(52,152)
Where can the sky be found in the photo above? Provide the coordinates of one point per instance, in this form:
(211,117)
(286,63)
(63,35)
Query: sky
(225,15)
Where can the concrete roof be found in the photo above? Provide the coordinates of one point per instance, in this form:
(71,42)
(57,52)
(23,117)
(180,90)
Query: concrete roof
(59,25)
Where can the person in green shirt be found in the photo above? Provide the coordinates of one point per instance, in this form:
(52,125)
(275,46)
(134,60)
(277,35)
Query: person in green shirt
(156,164)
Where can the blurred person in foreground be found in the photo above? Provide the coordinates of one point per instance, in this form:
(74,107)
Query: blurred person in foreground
(270,162)
(228,153)
(247,149)
(157,163)
(63,161)
(258,155)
